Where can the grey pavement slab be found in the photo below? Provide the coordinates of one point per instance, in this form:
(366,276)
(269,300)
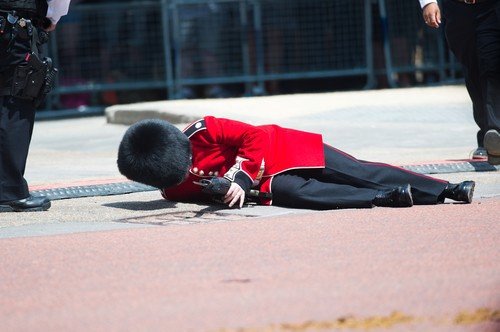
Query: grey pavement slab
(396,126)
(44,229)
(123,211)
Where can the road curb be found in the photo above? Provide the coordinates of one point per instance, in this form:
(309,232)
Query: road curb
(124,116)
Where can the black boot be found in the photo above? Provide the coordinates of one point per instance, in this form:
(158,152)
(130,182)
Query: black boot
(28,204)
(492,145)
(461,192)
(399,197)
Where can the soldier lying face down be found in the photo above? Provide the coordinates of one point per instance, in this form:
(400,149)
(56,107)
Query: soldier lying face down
(273,165)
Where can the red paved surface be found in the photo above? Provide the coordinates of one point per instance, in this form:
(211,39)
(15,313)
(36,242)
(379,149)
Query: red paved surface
(437,268)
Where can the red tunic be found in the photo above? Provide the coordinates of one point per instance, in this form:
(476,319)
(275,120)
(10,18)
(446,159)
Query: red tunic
(249,155)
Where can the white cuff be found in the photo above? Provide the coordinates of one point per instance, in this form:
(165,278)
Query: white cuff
(424,3)
(56,9)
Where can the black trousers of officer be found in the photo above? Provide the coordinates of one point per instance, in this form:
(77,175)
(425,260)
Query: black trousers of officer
(16,120)
(473,34)
(347,182)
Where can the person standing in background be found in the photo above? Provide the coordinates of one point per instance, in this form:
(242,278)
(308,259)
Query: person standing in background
(25,78)
(472,29)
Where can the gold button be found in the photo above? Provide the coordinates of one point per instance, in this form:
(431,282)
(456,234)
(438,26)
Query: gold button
(201,173)
(195,170)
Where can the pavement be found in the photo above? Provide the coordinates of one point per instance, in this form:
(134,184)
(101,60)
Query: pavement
(110,255)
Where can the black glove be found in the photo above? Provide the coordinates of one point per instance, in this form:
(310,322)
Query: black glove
(219,186)
(214,186)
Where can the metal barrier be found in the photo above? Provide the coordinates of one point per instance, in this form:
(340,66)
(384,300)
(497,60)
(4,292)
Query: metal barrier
(111,48)
(123,52)
(313,39)
(257,41)
(210,44)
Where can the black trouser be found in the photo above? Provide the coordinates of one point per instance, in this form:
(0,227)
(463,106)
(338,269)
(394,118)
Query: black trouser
(16,120)
(347,182)
(473,34)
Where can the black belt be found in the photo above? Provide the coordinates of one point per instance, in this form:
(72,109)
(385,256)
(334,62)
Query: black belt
(39,22)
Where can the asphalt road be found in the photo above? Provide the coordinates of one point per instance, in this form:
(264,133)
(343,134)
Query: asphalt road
(136,262)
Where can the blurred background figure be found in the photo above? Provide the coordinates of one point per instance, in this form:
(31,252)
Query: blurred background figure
(473,34)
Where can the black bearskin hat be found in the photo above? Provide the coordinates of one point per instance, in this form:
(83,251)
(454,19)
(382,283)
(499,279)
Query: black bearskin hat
(154,152)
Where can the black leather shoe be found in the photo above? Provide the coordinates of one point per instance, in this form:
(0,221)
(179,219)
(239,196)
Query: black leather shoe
(29,204)
(480,153)
(399,197)
(492,145)
(461,192)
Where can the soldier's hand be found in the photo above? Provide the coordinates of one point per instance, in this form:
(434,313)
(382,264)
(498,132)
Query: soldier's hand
(432,15)
(234,194)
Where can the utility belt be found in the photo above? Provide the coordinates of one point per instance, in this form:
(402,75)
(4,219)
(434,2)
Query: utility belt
(38,21)
(34,77)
